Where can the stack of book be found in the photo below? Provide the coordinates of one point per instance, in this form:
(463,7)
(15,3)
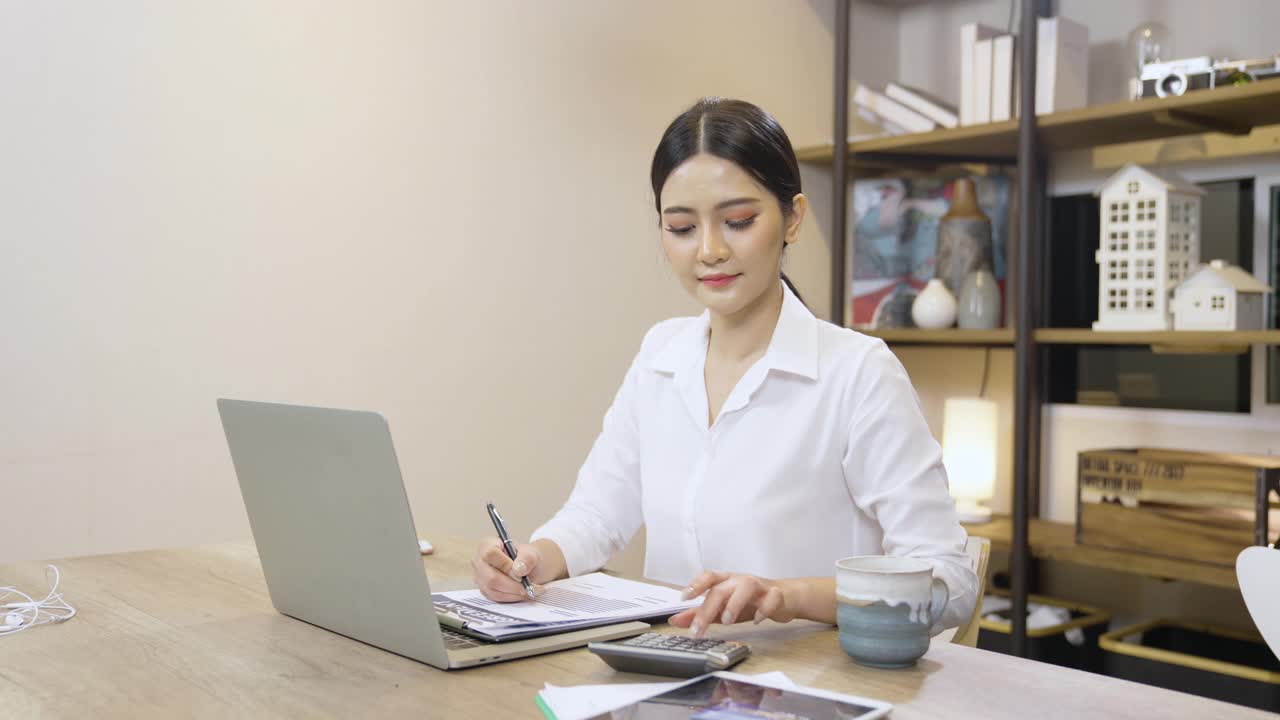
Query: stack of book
(897,110)
(989,70)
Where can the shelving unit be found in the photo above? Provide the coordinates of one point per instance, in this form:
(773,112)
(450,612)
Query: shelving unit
(1080,336)
(1167,341)
(916,336)
(1233,110)
(1057,541)
(1027,143)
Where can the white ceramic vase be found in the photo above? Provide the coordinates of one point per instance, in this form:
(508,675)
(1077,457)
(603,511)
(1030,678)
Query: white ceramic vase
(935,307)
(979,302)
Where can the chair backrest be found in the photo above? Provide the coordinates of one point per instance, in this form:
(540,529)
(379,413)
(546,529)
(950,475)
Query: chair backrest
(1258,572)
(979,551)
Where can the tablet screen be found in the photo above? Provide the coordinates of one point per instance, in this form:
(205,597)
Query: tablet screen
(721,698)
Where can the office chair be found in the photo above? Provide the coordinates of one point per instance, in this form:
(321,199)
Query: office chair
(1258,572)
(979,551)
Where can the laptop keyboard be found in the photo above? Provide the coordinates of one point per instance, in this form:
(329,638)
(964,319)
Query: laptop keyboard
(454,640)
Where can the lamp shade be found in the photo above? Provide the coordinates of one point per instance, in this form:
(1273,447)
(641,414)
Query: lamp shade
(969,454)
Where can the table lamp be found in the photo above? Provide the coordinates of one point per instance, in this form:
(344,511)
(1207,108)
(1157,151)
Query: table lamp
(969,454)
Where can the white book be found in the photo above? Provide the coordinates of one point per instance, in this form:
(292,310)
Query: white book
(925,104)
(891,110)
(1017,81)
(1062,65)
(970,34)
(1002,78)
(865,124)
(982,57)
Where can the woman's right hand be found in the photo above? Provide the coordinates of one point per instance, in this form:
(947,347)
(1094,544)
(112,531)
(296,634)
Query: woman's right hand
(498,576)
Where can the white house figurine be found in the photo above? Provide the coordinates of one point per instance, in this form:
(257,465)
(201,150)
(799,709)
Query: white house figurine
(1150,240)
(1219,296)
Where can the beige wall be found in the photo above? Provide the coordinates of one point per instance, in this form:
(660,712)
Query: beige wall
(439,211)
(436,210)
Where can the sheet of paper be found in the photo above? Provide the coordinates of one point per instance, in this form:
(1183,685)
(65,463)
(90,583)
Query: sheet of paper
(585,701)
(582,599)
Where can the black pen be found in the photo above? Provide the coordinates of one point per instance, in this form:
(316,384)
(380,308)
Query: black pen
(507,545)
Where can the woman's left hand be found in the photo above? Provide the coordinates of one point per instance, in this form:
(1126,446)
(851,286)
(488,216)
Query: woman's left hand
(733,598)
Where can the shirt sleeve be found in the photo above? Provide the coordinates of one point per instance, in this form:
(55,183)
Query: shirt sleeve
(894,471)
(603,511)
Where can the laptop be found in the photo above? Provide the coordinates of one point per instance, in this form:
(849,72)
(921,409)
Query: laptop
(331,521)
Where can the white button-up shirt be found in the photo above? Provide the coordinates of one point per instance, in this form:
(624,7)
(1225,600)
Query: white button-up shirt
(820,452)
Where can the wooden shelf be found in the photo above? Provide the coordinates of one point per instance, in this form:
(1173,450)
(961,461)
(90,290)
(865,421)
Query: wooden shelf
(954,336)
(995,140)
(1170,341)
(1056,541)
(1233,110)
(1163,341)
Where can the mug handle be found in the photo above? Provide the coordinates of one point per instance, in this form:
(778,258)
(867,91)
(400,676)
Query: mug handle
(941,596)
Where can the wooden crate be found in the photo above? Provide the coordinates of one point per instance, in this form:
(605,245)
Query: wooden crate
(1202,507)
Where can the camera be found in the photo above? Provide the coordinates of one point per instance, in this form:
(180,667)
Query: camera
(1176,77)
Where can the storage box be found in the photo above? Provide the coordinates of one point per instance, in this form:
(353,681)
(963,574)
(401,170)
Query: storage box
(1195,658)
(1201,507)
(1050,644)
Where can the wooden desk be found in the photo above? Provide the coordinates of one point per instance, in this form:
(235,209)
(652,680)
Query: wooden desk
(191,633)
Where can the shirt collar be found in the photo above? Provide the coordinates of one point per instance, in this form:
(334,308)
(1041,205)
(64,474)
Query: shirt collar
(792,349)
(794,346)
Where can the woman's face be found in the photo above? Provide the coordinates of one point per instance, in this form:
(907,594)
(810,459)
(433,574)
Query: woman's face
(723,233)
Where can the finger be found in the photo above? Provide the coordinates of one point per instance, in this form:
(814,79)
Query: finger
(502,596)
(496,557)
(702,583)
(494,585)
(525,562)
(711,608)
(682,619)
(747,593)
(506,592)
(770,605)
(498,595)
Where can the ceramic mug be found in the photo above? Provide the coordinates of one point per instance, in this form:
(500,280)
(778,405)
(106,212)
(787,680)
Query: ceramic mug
(885,607)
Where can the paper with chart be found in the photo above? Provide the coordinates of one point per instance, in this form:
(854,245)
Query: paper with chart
(581,601)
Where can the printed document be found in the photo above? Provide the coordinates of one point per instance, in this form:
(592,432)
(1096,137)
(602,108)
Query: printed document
(582,601)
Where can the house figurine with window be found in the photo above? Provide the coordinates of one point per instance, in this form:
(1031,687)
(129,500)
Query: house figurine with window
(1150,240)
(1219,296)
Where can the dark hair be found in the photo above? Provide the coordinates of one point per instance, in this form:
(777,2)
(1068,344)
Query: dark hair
(739,132)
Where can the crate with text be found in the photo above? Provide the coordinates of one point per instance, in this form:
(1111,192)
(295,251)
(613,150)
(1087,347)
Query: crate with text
(1196,506)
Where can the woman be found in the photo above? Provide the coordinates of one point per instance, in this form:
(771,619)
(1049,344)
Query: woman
(757,444)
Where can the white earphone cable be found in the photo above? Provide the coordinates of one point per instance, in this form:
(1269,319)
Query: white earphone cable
(30,612)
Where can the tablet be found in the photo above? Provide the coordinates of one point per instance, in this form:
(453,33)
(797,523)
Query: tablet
(730,696)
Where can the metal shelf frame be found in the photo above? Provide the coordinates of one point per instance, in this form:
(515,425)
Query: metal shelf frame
(1027,283)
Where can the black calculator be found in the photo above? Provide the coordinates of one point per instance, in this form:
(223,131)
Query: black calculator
(674,655)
